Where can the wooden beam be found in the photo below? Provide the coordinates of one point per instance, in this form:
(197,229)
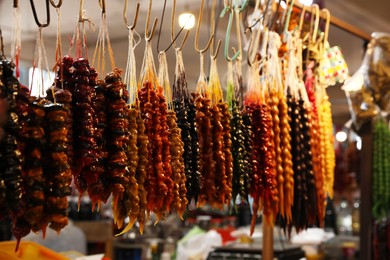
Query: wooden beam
(365,172)
(268,241)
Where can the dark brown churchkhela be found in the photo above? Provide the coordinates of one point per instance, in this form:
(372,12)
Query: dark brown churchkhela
(245,177)
(241,147)
(62,90)
(3,120)
(11,158)
(299,209)
(312,208)
(57,170)
(241,134)
(84,136)
(96,189)
(304,210)
(196,184)
(117,134)
(33,134)
(186,113)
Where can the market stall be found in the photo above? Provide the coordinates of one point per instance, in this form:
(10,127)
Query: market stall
(140,150)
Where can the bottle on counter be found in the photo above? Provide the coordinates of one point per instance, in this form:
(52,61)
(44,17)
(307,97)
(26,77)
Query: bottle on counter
(344,218)
(330,217)
(356,217)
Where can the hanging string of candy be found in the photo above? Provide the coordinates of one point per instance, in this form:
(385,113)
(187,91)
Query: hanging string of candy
(134,199)
(179,193)
(185,112)
(281,128)
(381,179)
(11,175)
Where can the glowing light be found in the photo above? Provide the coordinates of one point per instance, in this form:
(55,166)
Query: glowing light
(187,20)
(282,4)
(341,136)
(358,143)
(306,2)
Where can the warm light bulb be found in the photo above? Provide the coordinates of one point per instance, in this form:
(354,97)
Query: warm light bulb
(306,2)
(187,20)
(341,136)
(359,143)
(282,4)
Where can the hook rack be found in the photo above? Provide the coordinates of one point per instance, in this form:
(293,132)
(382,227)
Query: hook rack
(173,39)
(149,36)
(159,33)
(196,43)
(132,27)
(36,16)
(56,5)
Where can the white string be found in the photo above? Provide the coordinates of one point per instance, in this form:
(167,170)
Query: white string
(148,72)
(16,35)
(40,56)
(163,77)
(201,86)
(130,78)
(274,71)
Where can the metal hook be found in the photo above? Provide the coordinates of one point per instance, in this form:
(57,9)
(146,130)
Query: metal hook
(287,21)
(215,54)
(148,37)
(196,43)
(327,20)
(316,21)
(173,39)
(266,11)
(102,4)
(36,16)
(81,11)
(159,32)
(132,27)
(227,36)
(56,5)
(16,3)
(273,21)
(249,48)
